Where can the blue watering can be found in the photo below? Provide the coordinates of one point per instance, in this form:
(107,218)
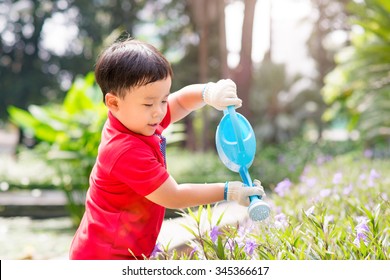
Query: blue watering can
(236,147)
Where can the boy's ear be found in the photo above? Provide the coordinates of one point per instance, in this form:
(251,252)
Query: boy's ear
(111,101)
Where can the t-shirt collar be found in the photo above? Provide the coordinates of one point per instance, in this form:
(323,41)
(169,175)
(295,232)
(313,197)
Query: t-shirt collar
(117,125)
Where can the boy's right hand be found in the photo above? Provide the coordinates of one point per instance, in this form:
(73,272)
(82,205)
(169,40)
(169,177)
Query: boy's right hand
(237,191)
(221,94)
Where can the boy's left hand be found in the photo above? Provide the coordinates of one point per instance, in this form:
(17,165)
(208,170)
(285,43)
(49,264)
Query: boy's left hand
(236,191)
(221,94)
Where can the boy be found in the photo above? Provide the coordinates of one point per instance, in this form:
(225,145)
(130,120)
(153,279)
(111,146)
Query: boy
(129,184)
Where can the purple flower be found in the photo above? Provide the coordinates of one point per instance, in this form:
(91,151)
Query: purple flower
(311,182)
(239,241)
(214,233)
(373,176)
(348,190)
(281,217)
(193,251)
(368,153)
(362,226)
(281,221)
(283,187)
(157,249)
(307,183)
(322,159)
(325,192)
(362,177)
(250,246)
(337,178)
(360,236)
(361,232)
(230,243)
(328,219)
(245,229)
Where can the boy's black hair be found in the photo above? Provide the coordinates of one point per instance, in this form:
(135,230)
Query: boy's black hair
(130,63)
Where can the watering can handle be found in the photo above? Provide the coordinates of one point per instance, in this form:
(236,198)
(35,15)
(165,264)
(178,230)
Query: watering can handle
(236,127)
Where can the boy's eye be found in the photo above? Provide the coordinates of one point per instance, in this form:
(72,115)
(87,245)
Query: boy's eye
(148,105)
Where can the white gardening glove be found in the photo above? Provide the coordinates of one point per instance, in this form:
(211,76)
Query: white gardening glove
(221,94)
(237,191)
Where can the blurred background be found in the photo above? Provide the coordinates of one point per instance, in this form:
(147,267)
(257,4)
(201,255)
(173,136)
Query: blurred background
(314,77)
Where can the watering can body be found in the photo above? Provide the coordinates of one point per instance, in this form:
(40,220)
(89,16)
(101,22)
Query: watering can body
(235,152)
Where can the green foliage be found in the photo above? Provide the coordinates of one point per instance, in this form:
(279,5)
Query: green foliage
(69,134)
(272,163)
(358,89)
(186,166)
(33,72)
(281,106)
(337,211)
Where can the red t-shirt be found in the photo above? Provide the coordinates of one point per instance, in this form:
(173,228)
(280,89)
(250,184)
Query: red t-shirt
(119,222)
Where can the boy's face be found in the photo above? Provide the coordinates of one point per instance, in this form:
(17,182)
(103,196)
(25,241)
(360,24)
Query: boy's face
(143,108)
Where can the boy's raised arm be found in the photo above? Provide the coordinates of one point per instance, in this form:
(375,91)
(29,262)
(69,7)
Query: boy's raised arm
(186,100)
(219,95)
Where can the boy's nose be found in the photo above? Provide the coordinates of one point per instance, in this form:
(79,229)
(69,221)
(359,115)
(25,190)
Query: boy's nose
(158,111)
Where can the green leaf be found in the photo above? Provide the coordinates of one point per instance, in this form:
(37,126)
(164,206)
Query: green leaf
(44,115)
(220,249)
(209,213)
(22,118)
(77,99)
(385,5)
(45,132)
(189,229)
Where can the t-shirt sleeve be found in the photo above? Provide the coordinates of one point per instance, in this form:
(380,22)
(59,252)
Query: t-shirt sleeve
(140,170)
(167,119)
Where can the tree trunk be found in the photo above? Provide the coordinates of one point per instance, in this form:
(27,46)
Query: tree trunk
(203,23)
(200,13)
(224,68)
(243,73)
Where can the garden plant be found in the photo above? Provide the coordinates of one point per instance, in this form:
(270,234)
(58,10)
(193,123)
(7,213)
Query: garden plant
(339,209)
(68,136)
